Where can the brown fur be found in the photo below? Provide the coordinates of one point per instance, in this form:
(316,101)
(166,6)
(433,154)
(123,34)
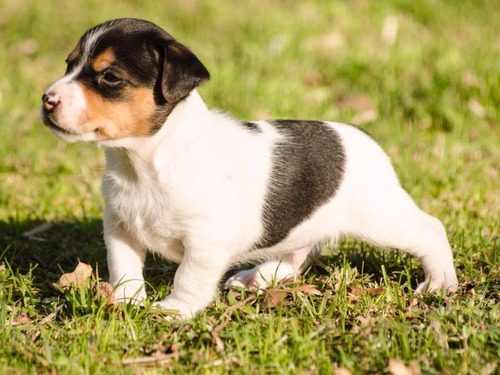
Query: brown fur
(74,54)
(104,60)
(114,120)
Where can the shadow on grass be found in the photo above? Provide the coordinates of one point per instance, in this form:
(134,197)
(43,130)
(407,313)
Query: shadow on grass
(47,250)
(56,249)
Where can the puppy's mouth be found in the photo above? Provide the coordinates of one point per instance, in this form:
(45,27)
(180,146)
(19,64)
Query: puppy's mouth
(49,121)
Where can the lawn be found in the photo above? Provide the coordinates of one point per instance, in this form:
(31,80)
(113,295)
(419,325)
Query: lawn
(422,77)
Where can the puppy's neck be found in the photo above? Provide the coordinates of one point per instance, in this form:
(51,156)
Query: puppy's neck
(184,117)
(186,123)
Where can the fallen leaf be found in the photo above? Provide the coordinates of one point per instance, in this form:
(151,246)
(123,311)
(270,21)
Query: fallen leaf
(273,297)
(21,319)
(308,289)
(355,291)
(78,277)
(106,290)
(375,291)
(397,367)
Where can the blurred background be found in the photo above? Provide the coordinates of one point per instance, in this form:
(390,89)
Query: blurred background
(421,76)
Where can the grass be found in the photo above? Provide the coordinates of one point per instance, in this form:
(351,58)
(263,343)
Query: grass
(430,97)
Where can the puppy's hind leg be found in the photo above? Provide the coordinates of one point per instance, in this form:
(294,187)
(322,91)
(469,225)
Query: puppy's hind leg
(393,220)
(273,270)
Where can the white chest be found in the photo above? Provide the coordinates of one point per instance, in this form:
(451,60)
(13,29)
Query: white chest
(142,207)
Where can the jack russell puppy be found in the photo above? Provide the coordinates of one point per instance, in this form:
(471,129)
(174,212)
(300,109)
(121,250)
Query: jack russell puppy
(207,191)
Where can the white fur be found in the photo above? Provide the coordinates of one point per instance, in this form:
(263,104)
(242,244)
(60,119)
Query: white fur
(194,193)
(70,109)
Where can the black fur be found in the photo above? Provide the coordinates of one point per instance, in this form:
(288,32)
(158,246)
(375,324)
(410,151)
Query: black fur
(151,57)
(252,127)
(308,167)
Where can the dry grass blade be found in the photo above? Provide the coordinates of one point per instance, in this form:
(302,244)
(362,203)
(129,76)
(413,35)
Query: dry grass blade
(227,318)
(51,316)
(150,360)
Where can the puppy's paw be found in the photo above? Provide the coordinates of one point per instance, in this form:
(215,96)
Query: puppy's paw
(175,309)
(448,284)
(127,293)
(262,276)
(248,279)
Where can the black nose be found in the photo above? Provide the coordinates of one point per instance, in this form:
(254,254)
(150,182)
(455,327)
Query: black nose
(50,101)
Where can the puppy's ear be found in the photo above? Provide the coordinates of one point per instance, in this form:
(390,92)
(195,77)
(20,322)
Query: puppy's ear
(182,72)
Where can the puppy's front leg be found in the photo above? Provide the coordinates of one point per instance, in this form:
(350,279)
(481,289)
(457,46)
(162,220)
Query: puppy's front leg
(125,262)
(196,280)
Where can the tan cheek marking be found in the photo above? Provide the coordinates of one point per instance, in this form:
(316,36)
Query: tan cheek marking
(103,60)
(115,120)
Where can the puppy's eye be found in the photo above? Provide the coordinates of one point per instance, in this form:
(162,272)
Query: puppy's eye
(111,79)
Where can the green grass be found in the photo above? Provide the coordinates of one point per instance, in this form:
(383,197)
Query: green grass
(430,98)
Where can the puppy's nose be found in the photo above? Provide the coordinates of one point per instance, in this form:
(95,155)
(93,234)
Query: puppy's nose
(50,101)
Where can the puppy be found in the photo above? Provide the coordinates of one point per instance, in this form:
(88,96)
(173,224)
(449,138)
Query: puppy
(207,191)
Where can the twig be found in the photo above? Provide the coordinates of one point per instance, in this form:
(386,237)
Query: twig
(149,359)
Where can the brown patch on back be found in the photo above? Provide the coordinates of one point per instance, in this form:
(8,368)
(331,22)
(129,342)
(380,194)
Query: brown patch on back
(114,120)
(104,60)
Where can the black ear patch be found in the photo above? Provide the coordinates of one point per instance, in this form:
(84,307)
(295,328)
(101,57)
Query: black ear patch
(182,72)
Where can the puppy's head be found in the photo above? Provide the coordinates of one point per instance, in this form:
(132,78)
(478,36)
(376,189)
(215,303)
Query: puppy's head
(122,80)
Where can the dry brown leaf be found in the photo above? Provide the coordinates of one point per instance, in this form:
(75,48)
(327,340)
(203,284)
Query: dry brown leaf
(375,291)
(78,277)
(355,291)
(397,367)
(307,288)
(106,291)
(21,319)
(273,297)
